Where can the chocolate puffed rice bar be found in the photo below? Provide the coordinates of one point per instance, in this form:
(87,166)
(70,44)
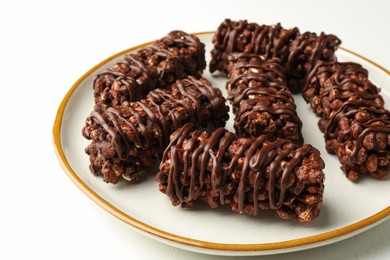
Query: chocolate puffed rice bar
(261,100)
(355,123)
(297,52)
(168,59)
(249,174)
(128,139)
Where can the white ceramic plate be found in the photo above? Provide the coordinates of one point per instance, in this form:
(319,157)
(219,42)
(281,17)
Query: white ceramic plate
(348,208)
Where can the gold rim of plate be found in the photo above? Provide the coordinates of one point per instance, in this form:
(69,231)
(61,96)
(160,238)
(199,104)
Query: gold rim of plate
(300,242)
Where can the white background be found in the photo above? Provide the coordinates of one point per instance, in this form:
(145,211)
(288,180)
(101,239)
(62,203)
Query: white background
(47,45)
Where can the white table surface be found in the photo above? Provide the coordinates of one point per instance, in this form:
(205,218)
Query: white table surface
(47,45)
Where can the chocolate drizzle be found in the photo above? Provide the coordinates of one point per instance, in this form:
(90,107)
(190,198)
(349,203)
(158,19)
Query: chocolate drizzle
(196,163)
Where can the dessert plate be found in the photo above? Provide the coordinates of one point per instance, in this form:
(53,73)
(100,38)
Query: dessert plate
(348,208)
